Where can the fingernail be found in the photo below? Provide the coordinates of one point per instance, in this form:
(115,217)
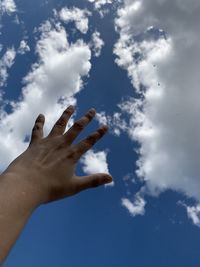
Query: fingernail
(108,179)
(105,127)
(71,108)
(92,111)
(40,116)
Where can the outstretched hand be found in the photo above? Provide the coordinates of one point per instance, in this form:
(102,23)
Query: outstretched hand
(48,165)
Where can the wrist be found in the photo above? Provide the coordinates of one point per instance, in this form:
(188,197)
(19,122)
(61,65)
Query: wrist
(17,202)
(20,192)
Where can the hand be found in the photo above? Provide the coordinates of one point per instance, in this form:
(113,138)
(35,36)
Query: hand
(48,165)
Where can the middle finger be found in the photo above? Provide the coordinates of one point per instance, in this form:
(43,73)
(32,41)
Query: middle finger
(78,126)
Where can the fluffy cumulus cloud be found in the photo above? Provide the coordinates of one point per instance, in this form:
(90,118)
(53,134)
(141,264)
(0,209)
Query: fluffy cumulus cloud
(7,6)
(95,162)
(76,15)
(6,63)
(50,86)
(135,207)
(159,47)
(99,3)
(104,6)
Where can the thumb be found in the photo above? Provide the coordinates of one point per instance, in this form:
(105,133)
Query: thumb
(91,181)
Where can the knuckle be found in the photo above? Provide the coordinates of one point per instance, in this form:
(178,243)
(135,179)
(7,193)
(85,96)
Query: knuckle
(40,118)
(71,155)
(101,131)
(91,140)
(36,127)
(60,145)
(89,115)
(67,112)
(79,125)
(70,108)
(84,146)
(61,122)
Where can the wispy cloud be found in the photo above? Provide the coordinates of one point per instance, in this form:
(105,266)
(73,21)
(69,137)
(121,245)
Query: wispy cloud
(99,3)
(104,6)
(96,43)
(23,47)
(6,63)
(193,212)
(7,6)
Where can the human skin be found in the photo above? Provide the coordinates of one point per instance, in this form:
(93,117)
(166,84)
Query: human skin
(45,172)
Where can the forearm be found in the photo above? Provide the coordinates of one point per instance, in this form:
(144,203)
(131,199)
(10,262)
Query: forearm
(17,203)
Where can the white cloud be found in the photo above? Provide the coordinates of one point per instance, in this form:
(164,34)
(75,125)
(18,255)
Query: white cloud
(99,3)
(6,63)
(104,6)
(136,207)
(7,6)
(49,87)
(97,43)
(76,15)
(95,162)
(23,47)
(193,213)
(159,47)
(102,118)
(115,122)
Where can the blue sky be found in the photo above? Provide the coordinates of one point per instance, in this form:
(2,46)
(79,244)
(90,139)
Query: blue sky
(94,228)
